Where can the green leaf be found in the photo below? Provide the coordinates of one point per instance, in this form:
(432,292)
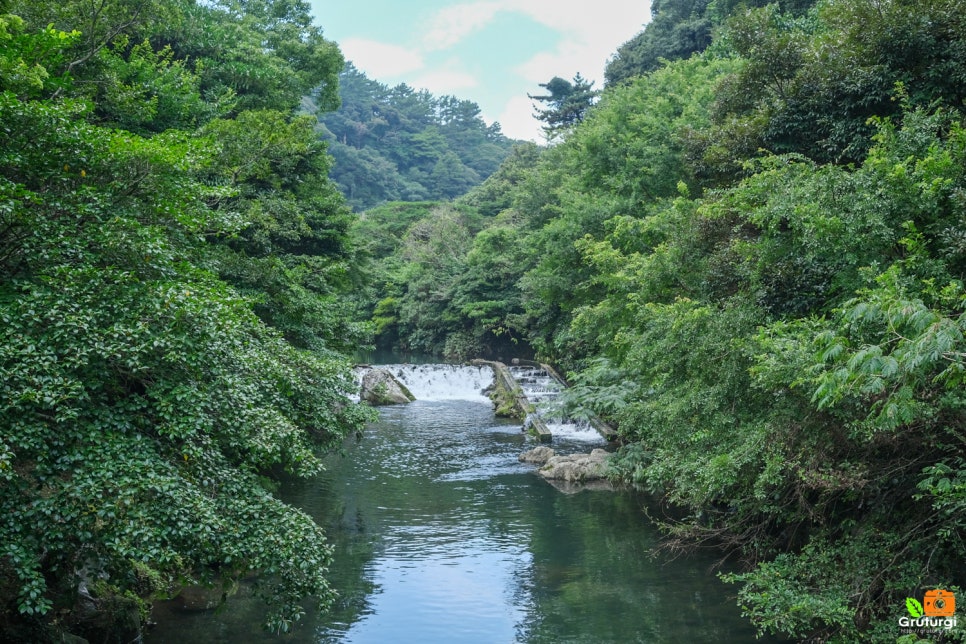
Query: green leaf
(914,607)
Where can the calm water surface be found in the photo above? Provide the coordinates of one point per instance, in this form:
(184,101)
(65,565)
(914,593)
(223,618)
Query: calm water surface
(442,535)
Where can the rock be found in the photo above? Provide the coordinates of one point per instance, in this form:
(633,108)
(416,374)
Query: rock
(201,598)
(379,387)
(539,455)
(577,467)
(568,487)
(102,614)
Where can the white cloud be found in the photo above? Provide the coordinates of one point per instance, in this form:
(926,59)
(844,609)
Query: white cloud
(517,122)
(452,24)
(591,20)
(444,81)
(379,59)
(565,61)
(590,34)
(595,24)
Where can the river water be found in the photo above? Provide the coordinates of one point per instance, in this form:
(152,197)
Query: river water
(442,535)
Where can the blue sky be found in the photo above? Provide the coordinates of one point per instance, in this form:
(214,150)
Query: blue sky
(492,52)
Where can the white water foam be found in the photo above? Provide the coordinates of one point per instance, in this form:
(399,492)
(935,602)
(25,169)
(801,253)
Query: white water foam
(537,384)
(579,431)
(542,389)
(436,382)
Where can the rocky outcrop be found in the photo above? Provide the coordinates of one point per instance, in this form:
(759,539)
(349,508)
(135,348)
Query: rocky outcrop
(538,455)
(573,468)
(103,614)
(379,387)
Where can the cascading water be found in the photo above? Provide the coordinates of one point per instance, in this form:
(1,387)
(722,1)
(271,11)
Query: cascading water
(543,390)
(537,383)
(436,382)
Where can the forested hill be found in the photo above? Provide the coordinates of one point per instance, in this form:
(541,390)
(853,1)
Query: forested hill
(751,261)
(400,144)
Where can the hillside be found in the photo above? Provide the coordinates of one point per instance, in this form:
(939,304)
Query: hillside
(400,144)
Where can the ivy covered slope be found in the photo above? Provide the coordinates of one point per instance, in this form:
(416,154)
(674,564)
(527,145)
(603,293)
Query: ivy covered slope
(171,262)
(752,263)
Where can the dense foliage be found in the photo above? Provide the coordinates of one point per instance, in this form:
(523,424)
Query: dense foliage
(400,144)
(443,276)
(679,28)
(752,262)
(170,249)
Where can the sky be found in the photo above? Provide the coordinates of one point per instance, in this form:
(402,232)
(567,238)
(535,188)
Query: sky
(491,52)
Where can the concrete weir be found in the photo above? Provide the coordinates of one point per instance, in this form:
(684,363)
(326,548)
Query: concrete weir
(519,390)
(511,401)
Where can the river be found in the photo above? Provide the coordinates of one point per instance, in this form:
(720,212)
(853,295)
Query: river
(442,535)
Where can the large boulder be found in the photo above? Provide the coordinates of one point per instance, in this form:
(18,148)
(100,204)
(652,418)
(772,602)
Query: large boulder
(577,467)
(379,387)
(538,455)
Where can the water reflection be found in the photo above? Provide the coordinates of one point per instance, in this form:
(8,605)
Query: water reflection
(442,535)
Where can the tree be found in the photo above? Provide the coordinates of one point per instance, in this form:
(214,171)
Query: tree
(451,178)
(754,268)
(678,28)
(567,104)
(495,194)
(434,249)
(146,403)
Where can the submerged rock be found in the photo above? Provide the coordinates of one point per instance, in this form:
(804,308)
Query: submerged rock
(379,387)
(201,598)
(572,487)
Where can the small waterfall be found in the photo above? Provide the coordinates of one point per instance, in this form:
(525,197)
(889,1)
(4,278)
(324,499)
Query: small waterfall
(577,430)
(441,382)
(436,382)
(536,383)
(542,389)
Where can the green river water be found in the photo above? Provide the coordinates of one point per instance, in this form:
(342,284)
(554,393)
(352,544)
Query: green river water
(442,535)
